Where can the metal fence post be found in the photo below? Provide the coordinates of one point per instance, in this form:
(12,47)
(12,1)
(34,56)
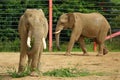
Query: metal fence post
(50,25)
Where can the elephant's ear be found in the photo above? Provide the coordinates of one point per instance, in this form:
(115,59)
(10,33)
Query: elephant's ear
(71,20)
(41,11)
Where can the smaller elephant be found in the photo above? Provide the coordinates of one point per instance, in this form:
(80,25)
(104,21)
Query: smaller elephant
(33,30)
(90,25)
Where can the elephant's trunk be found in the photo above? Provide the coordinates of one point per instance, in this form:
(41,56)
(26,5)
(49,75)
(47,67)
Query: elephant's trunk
(57,40)
(57,36)
(36,37)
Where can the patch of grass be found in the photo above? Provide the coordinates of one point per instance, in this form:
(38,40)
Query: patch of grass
(101,74)
(14,74)
(63,72)
(66,72)
(10,46)
(1,78)
(72,72)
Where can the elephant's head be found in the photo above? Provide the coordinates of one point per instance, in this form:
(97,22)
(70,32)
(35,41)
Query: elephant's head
(36,25)
(65,21)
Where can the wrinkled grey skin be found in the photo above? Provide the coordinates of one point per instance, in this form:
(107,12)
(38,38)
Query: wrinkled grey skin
(32,24)
(92,25)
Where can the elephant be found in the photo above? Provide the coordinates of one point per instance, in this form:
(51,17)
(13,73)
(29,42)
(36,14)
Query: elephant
(90,25)
(33,30)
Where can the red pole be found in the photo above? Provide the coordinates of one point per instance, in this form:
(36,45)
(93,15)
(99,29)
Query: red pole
(108,37)
(113,35)
(50,25)
(95,46)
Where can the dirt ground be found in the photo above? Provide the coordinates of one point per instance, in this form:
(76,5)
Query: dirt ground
(109,63)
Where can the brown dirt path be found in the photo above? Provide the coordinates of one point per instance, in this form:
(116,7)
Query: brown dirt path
(109,63)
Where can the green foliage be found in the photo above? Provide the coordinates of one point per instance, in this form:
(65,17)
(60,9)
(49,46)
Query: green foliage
(13,73)
(62,72)
(116,1)
(111,46)
(66,72)
(67,6)
(117,22)
(114,45)
(10,12)
(6,46)
(73,72)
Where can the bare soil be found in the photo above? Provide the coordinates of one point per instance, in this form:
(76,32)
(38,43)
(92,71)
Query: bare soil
(109,63)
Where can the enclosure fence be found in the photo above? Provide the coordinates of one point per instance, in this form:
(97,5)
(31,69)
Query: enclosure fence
(11,10)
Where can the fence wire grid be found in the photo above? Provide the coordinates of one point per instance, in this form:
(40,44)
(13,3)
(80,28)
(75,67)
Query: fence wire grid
(11,10)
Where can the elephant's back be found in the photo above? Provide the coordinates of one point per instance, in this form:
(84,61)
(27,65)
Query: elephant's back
(92,23)
(94,18)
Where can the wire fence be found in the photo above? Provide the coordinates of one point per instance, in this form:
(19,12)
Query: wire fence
(11,10)
(108,8)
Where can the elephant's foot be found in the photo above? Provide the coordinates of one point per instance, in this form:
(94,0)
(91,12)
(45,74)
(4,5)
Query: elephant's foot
(21,69)
(85,54)
(34,74)
(99,54)
(67,54)
(29,62)
(105,51)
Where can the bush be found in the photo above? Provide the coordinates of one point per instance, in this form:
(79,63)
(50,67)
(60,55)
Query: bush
(6,46)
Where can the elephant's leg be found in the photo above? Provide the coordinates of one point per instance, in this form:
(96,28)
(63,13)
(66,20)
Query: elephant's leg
(34,64)
(35,58)
(23,55)
(70,46)
(100,40)
(100,48)
(105,50)
(100,51)
(34,73)
(39,61)
(83,47)
(74,37)
(29,59)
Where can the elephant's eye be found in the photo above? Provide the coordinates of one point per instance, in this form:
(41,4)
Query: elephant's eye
(30,15)
(28,24)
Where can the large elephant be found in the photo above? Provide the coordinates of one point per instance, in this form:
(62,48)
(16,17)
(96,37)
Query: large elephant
(91,25)
(33,30)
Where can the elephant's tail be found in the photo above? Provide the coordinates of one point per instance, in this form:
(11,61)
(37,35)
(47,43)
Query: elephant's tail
(110,35)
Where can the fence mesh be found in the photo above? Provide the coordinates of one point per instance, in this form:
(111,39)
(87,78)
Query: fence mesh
(109,8)
(11,10)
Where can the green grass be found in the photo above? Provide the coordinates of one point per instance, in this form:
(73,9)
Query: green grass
(63,72)
(1,78)
(14,46)
(14,74)
(66,72)
(10,46)
(73,72)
